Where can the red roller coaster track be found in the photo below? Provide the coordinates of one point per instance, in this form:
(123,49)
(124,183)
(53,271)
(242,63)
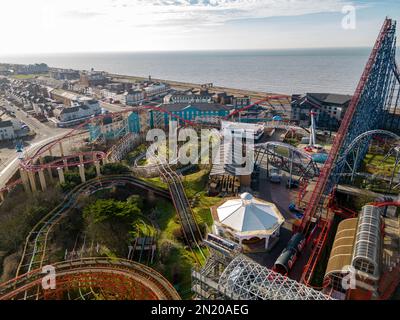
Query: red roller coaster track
(318,192)
(316,196)
(30,164)
(154,108)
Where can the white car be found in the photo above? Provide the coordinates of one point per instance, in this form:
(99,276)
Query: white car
(275,175)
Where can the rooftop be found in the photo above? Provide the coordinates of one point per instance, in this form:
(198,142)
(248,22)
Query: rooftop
(198,106)
(250,216)
(5,124)
(330,98)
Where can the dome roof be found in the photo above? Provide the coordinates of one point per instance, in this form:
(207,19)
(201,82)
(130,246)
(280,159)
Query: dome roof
(246,196)
(248,215)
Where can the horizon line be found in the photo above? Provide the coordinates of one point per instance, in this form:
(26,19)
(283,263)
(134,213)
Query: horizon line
(183,50)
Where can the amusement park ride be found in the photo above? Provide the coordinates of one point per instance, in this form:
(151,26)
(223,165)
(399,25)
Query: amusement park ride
(371,109)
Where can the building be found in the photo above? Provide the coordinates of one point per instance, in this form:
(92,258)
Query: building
(365,256)
(82,110)
(156,89)
(241,102)
(188,96)
(190,112)
(223,98)
(329,108)
(67,98)
(133,97)
(6,130)
(252,223)
(93,78)
(36,68)
(64,74)
(241,128)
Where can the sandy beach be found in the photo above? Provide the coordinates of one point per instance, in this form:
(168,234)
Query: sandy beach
(257,95)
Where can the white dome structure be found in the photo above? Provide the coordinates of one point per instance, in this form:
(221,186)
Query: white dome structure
(247,218)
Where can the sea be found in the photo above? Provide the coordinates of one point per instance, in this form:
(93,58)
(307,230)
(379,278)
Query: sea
(288,71)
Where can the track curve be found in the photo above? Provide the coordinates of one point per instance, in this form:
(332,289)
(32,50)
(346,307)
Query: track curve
(36,242)
(116,278)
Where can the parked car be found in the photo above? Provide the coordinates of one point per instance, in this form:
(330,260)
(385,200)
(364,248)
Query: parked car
(275,175)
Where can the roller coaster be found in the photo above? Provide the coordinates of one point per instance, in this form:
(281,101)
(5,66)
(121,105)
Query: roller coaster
(190,228)
(370,108)
(137,280)
(34,163)
(98,278)
(35,249)
(287,158)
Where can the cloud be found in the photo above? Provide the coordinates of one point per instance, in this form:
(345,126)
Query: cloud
(143,24)
(79,14)
(219,12)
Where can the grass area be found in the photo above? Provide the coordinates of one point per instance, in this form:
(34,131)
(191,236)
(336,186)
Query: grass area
(178,263)
(136,152)
(292,141)
(166,218)
(195,182)
(156,182)
(374,164)
(282,151)
(195,185)
(175,261)
(28,76)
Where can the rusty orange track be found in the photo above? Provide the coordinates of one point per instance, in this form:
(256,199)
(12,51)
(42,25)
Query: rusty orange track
(116,278)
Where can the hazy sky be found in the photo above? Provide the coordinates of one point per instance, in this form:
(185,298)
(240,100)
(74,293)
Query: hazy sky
(35,26)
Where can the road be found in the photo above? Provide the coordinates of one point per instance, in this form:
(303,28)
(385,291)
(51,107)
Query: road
(12,165)
(44,135)
(42,130)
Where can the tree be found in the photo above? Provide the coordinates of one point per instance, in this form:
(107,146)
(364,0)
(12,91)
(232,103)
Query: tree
(114,168)
(136,200)
(72,179)
(115,223)
(105,209)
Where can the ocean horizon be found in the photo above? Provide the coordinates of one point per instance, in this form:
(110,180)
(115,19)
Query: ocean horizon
(286,71)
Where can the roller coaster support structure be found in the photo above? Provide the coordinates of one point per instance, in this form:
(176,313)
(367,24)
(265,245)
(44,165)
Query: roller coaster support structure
(369,108)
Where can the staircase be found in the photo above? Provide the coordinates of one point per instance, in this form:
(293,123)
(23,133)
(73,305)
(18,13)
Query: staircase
(391,256)
(324,226)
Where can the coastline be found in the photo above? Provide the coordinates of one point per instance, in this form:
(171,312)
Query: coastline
(178,85)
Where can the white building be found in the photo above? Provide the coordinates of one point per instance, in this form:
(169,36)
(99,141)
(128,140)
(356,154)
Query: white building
(84,109)
(6,130)
(240,129)
(156,89)
(188,97)
(253,223)
(133,97)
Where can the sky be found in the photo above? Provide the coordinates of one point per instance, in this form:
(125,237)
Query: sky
(62,26)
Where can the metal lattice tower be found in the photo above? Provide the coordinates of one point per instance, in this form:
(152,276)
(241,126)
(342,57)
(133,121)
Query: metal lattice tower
(244,279)
(368,110)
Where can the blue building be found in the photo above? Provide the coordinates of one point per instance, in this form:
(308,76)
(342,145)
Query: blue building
(134,122)
(191,112)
